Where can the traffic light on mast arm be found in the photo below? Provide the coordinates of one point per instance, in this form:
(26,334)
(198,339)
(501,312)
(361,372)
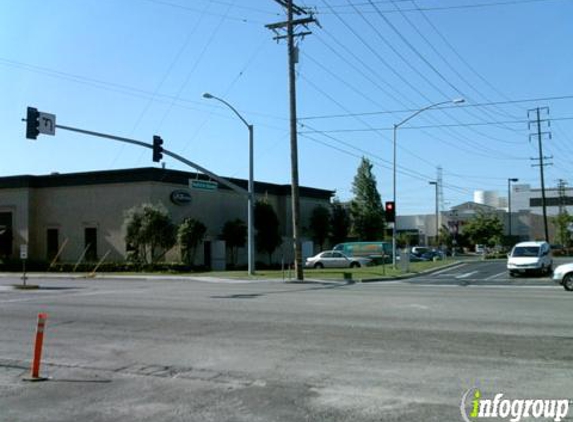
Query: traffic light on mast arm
(390,211)
(32,123)
(157,148)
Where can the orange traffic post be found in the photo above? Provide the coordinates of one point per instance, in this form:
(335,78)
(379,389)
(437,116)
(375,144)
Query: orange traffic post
(35,376)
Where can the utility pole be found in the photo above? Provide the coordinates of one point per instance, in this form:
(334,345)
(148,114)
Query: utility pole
(540,160)
(441,200)
(291,24)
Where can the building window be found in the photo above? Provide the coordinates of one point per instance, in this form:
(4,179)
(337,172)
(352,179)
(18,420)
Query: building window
(5,234)
(52,243)
(90,243)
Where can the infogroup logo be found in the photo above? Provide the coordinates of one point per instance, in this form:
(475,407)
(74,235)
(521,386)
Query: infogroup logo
(474,407)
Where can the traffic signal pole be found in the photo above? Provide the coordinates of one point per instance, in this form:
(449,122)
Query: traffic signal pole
(196,166)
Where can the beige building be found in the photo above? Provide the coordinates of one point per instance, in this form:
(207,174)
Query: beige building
(71,211)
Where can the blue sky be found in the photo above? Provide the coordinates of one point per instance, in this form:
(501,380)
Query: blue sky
(136,68)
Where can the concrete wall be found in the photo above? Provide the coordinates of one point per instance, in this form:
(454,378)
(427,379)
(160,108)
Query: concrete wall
(72,209)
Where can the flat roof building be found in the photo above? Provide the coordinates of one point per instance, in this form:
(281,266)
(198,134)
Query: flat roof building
(68,212)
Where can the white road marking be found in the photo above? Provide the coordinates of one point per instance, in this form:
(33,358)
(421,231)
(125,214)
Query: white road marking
(466,275)
(448,269)
(495,276)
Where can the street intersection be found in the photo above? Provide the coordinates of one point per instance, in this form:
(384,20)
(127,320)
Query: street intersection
(186,350)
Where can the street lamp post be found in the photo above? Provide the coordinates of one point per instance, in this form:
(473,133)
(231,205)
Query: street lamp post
(396,126)
(509,203)
(251,190)
(437,212)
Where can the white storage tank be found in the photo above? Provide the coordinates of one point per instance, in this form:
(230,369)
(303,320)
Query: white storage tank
(487,197)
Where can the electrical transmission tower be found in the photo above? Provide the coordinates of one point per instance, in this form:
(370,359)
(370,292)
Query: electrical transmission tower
(562,194)
(538,122)
(440,179)
(291,25)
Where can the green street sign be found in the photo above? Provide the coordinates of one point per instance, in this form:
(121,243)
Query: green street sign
(203,185)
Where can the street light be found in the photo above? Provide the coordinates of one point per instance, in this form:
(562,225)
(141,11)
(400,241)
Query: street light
(437,212)
(396,126)
(251,190)
(509,201)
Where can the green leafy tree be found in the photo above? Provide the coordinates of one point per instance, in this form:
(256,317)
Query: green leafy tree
(320,225)
(150,233)
(562,221)
(190,234)
(268,236)
(484,229)
(403,240)
(366,208)
(339,223)
(234,234)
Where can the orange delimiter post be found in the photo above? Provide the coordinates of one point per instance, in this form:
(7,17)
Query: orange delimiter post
(42,317)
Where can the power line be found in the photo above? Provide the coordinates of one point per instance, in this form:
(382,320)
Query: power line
(486,104)
(467,124)
(215,14)
(400,76)
(461,6)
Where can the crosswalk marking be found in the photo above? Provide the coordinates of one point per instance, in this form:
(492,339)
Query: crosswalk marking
(466,275)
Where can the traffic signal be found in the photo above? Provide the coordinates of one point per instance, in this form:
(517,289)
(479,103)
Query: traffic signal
(32,123)
(390,211)
(157,148)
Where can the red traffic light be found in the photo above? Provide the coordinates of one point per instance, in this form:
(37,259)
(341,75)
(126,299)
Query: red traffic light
(390,212)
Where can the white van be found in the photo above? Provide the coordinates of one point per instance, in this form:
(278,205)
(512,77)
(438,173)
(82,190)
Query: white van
(530,257)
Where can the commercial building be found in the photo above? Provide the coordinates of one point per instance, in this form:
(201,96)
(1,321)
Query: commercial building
(84,212)
(525,222)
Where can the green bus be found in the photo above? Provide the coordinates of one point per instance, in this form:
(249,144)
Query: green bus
(377,251)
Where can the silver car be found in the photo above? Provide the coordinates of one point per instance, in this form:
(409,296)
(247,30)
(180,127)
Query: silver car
(334,259)
(563,275)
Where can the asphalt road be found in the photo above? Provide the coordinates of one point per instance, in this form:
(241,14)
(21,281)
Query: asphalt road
(135,350)
(486,273)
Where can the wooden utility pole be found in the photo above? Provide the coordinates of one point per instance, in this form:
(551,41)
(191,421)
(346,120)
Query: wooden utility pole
(290,26)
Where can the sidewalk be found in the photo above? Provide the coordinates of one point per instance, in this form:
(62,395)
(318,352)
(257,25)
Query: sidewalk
(212,279)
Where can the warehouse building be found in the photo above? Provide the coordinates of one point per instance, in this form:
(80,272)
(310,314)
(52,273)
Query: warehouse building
(81,213)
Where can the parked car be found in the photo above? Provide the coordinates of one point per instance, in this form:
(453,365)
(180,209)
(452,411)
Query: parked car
(528,257)
(335,259)
(563,275)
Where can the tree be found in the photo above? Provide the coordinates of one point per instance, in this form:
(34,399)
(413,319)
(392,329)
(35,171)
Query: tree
(562,221)
(149,232)
(190,234)
(366,208)
(268,236)
(235,236)
(320,224)
(403,240)
(339,223)
(484,229)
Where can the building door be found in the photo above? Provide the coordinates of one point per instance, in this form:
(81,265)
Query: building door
(5,234)
(90,243)
(207,254)
(52,243)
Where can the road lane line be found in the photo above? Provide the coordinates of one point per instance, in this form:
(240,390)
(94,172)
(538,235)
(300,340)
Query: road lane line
(495,275)
(448,269)
(466,275)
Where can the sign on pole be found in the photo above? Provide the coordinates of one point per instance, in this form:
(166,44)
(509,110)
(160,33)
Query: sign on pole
(47,123)
(203,185)
(23,251)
